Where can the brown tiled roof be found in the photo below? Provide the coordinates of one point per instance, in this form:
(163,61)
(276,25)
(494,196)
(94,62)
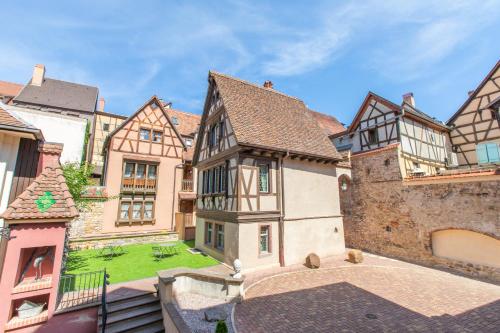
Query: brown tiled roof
(6,118)
(10,88)
(187,122)
(329,124)
(264,117)
(188,154)
(51,184)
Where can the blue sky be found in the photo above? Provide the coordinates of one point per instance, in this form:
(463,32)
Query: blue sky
(329,54)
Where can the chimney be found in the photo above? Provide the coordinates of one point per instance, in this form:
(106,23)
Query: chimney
(268,84)
(408,98)
(100,104)
(38,75)
(50,152)
(470,92)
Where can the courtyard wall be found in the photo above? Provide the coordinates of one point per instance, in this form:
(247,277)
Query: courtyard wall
(395,217)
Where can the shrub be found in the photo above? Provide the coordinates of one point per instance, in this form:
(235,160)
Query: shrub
(77,176)
(221,327)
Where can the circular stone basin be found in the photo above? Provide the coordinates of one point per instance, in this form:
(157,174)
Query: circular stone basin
(396,299)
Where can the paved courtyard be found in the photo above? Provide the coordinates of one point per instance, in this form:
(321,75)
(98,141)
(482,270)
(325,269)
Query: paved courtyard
(380,295)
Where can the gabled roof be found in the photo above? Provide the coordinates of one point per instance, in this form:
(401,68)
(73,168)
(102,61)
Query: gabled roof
(187,123)
(329,124)
(10,88)
(474,94)
(46,198)
(9,122)
(266,118)
(59,94)
(158,102)
(409,110)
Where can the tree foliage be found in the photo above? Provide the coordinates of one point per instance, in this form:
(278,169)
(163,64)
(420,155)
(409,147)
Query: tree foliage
(77,176)
(221,327)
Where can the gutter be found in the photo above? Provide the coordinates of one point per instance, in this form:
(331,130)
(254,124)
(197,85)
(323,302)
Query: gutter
(36,132)
(281,223)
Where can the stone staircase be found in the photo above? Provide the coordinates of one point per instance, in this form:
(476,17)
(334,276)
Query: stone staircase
(137,314)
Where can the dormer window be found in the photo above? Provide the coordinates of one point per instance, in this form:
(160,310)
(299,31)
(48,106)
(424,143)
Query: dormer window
(175,121)
(189,142)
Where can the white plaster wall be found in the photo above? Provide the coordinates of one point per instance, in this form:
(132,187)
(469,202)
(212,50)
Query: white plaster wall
(9,145)
(58,128)
(230,241)
(318,236)
(249,240)
(310,189)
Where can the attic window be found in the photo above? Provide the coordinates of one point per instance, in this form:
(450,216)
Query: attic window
(105,127)
(175,121)
(189,142)
(372,136)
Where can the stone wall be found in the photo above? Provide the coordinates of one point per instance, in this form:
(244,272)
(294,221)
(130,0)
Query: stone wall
(395,219)
(86,230)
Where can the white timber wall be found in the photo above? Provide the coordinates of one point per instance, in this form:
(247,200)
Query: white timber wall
(9,145)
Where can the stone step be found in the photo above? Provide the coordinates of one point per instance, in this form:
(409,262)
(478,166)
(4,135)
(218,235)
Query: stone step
(128,303)
(134,323)
(155,327)
(133,312)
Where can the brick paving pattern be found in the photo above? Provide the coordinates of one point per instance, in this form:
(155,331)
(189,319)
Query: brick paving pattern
(380,295)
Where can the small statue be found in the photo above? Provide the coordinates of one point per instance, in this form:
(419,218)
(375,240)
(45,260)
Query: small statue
(237,269)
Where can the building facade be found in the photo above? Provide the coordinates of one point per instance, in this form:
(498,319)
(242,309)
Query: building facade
(267,178)
(475,127)
(380,122)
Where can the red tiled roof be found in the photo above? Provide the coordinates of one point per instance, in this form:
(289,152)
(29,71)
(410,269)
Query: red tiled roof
(10,88)
(187,123)
(329,124)
(375,151)
(51,186)
(6,118)
(264,117)
(458,174)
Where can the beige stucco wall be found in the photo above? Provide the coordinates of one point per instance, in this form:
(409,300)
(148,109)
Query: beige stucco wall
(100,136)
(169,184)
(249,240)
(325,237)
(310,189)
(230,241)
(468,246)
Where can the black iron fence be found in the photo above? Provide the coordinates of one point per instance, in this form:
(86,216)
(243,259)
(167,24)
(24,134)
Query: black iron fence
(104,304)
(81,289)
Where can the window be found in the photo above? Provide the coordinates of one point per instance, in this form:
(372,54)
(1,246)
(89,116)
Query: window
(136,210)
(154,105)
(219,242)
(124,210)
(264,178)
(189,142)
(105,127)
(152,172)
(343,184)
(157,135)
(214,180)
(372,136)
(488,153)
(222,182)
(145,134)
(208,232)
(141,171)
(148,210)
(494,115)
(265,238)
(129,170)
(175,121)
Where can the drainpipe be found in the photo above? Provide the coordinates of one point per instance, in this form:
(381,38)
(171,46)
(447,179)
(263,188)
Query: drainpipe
(281,224)
(178,166)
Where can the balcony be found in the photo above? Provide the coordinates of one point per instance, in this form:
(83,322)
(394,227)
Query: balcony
(138,185)
(187,185)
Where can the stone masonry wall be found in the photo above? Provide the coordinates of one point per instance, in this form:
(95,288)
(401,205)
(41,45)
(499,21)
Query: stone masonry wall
(86,231)
(393,219)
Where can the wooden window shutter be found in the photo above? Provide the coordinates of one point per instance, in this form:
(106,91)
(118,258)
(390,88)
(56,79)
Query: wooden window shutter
(493,152)
(482,153)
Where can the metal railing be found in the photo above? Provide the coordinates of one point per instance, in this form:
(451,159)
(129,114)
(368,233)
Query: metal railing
(187,185)
(81,289)
(104,305)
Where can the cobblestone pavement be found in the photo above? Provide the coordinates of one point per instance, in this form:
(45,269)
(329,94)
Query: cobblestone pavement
(380,295)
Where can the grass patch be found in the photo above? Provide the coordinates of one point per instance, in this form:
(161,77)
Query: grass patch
(136,263)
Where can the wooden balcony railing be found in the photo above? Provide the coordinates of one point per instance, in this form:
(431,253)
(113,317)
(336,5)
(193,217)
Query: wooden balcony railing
(139,184)
(187,185)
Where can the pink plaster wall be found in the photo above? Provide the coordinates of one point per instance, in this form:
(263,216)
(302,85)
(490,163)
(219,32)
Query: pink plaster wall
(82,321)
(169,184)
(27,236)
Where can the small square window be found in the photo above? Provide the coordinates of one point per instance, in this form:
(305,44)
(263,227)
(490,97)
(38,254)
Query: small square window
(157,135)
(175,121)
(105,127)
(145,134)
(189,142)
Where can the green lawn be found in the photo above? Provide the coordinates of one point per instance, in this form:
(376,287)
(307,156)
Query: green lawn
(137,263)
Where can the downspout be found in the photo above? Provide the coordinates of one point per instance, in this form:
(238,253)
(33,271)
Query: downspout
(178,166)
(281,224)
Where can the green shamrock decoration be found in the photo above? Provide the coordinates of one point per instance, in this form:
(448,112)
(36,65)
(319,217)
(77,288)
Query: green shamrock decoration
(45,201)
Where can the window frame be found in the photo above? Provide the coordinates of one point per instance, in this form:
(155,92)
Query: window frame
(375,136)
(144,130)
(153,137)
(130,211)
(209,240)
(105,127)
(269,240)
(268,166)
(216,237)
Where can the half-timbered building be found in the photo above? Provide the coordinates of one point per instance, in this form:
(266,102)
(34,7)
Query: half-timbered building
(143,172)
(267,179)
(475,127)
(380,122)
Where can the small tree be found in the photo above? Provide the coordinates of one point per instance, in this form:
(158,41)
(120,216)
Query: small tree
(77,176)
(221,327)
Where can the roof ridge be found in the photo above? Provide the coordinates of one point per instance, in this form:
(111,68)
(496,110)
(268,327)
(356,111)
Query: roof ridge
(255,85)
(77,84)
(5,107)
(184,112)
